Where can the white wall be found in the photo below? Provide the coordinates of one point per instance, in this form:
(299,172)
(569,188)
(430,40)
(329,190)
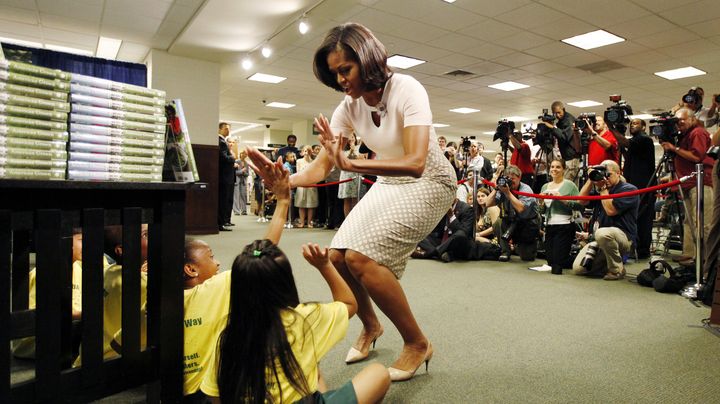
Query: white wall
(196,83)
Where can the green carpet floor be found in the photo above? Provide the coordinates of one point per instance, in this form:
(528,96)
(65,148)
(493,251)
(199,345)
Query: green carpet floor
(505,334)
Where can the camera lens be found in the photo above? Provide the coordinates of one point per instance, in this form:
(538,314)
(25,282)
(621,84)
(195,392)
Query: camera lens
(717,98)
(596,175)
(589,257)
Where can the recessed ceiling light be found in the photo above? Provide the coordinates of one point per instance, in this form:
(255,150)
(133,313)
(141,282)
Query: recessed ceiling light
(403,62)
(593,40)
(108,48)
(275,104)
(489,133)
(516,118)
(303,26)
(266,51)
(266,78)
(68,49)
(464,110)
(449,1)
(585,104)
(641,116)
(509,86)
(20,42)
(440,125)
(680,73)
(246,63)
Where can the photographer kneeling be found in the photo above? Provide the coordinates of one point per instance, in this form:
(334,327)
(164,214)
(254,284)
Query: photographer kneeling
(518,219)
(617,224)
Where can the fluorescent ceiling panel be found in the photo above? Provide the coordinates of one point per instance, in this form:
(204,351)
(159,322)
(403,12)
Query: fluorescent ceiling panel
(509,86)
(266,78)
(642,116)
(585,104)
(489,133)
(403,62)
(680,73)
(593,40)
(440,125)
(276,104)
(108,48)
(464,110)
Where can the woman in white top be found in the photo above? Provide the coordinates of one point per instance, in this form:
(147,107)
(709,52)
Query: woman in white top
(559,225)
(306,199)
(415,188)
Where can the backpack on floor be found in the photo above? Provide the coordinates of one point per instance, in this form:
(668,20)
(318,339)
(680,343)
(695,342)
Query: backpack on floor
(657,269)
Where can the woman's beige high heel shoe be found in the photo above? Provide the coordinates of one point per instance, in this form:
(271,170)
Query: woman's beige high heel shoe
(399,375)
(355,355)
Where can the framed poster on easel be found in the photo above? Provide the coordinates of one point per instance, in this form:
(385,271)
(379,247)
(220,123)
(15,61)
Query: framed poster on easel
(179,158)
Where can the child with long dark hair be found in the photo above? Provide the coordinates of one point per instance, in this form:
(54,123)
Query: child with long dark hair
(271,346)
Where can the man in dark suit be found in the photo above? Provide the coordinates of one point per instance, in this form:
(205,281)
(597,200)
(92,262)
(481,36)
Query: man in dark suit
(226,178)
(457,223)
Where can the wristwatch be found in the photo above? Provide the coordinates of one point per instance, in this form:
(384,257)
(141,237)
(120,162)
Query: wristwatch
(677,149)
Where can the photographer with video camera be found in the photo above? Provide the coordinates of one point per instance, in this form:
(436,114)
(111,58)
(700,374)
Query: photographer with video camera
(691,149)
(638,169)
(603,144)
(616,224)
(518,219)
(562,130)
(522,158)
(693,101)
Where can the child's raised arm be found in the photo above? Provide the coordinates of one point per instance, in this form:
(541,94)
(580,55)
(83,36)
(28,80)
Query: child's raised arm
(341,292)
(278,182)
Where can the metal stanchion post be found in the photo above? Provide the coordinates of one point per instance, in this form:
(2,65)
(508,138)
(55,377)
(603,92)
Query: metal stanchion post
(289,224)
(691,291)
(359,185)
(476,179)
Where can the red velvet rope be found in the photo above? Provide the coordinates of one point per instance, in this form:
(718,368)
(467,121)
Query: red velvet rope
(597,197)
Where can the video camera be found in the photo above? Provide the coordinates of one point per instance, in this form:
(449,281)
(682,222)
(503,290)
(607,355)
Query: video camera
(692,97)
(465,143)
(617,116)
(504,129)
(598,173)
(543,134)
(583,119)
(664,127)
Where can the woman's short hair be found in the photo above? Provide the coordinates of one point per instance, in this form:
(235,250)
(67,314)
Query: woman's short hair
(359,45)
(513,170)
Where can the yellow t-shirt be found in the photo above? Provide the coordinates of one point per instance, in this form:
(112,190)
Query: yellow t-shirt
(206,311)
(324,324)
(112,309)
(25,347)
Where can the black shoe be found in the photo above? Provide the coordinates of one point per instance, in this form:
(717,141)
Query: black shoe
(229,224)
(504,257)
(244,213)
(223,228)
(445,257)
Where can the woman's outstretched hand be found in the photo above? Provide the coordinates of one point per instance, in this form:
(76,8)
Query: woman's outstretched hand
(267,170)
(333,145)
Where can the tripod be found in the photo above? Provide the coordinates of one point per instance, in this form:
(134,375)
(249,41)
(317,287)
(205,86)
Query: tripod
(666,164)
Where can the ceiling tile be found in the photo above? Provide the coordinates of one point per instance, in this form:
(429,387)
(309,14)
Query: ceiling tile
(489,30)
(641,27)
(517,59)
(523,40)
(485,68)
(616,11)
(569,27)
(458,60)
(87,10)
(17,14)
(693,13)
(455,42)
(551,50)
(543,67)
(530,16)
(489,51)
(706,29)
(666,38)
(70,38)
(428,53)
(492,8)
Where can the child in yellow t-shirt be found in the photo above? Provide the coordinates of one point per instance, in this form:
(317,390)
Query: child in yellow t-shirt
(25,347)
(272,343)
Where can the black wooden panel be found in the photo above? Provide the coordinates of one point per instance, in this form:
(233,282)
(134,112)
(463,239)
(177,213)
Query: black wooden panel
(5,246)
(93,223)
(20,268)
(22,324)
(131,286)
(65,274)
(48,285)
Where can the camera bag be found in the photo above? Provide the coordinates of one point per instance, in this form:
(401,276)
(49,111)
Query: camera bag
(648,275)
(679,277)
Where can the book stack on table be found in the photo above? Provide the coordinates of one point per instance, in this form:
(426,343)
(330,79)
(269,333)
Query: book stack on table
(33,121)
(117,131)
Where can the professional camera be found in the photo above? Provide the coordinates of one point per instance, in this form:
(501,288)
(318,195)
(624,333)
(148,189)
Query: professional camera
(543,134)
(507,235)
(717,98)
(503,181)
(589,257)
(713,152)
(664,127)
(583,119)
(598,173)
(465,143)
(692,97)
(504,129)
(617,116)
